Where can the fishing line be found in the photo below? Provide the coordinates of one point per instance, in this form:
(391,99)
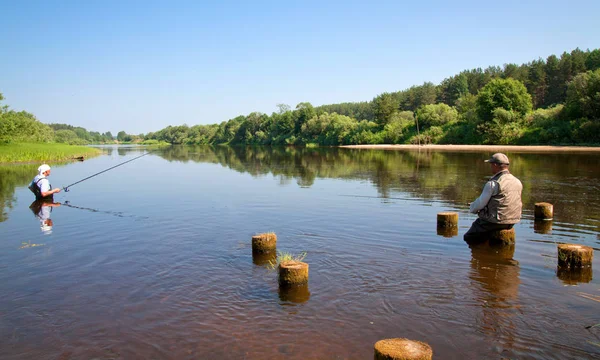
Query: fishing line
(66,188)
(114,213)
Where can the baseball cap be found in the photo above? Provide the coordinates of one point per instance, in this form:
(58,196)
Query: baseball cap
(498,158)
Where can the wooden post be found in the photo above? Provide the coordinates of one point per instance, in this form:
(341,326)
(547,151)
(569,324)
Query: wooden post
(266,242)
(293,273)
(574,256)
(544,211)
(447,219)
(506,237)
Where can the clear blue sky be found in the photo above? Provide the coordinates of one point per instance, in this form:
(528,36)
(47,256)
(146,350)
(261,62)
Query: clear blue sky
(139,66)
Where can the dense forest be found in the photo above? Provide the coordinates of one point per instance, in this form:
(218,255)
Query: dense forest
(551,101)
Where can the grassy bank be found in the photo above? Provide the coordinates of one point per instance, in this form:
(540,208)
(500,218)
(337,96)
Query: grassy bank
(41,152)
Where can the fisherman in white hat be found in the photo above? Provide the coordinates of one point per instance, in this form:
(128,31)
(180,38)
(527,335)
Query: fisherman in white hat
(40,185)
(499,205)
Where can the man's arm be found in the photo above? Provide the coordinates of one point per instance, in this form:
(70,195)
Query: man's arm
(484,198)
(45,188)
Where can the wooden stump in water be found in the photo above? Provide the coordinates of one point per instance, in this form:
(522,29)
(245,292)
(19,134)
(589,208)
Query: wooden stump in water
(543,211)
(447,232)
(402,349)
(263,258)
(574,276)
(294,293)
(447,219)
(502,237)
(293,273)
(542,226)
(266,242)
(572,256)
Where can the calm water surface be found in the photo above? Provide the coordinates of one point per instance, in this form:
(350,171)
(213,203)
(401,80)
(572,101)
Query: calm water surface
(153,259)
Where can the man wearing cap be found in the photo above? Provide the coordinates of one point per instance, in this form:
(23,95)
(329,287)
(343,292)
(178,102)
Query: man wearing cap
(499,205)
(40,185)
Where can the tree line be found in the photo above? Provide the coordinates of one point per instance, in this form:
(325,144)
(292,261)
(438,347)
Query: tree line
(546,101)
(24,127)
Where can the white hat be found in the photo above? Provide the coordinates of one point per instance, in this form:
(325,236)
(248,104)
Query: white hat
(43,168)
(46,229)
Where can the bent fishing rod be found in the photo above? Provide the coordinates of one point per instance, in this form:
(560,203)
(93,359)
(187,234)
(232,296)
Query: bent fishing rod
(66,188)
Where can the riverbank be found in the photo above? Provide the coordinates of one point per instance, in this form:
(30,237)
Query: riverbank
(491,148)
(41,152)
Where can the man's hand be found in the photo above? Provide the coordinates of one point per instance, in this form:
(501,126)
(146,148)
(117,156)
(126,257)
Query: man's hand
(56,191)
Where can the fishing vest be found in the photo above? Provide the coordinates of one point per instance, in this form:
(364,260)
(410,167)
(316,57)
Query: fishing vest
(35,189)
(504,207)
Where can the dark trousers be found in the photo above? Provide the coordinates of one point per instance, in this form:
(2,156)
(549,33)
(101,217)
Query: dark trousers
(481,227)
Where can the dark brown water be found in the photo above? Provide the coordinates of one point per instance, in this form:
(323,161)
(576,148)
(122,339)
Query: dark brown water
(153,259)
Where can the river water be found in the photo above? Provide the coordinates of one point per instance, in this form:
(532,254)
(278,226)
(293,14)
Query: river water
(153,259)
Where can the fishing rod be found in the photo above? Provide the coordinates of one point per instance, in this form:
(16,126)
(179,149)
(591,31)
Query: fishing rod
(66,188)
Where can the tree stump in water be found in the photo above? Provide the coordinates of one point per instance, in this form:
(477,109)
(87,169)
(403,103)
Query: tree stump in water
(543,211)
(402,349)
(447,219)
(572,256)
(266,242)
(293,273)
(503,237)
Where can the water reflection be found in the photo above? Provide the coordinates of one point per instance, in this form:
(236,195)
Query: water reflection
(542,226)
(497,276)
(11,177)
(447,232)
(42,209)
(569,180)
(296,294)
(574,276)
(263,258)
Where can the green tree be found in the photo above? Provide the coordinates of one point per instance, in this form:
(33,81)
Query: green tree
(121,135)
(583,96)
(436,115)
(304,112)
(593,60)
(507,94)
(453,88)
(384,106)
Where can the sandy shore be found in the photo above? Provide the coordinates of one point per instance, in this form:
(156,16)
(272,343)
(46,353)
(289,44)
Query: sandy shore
(494,148)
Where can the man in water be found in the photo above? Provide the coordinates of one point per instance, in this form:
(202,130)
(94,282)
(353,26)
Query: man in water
(499,205)
(40,185)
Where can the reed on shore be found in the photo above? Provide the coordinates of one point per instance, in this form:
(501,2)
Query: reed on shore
(43,152)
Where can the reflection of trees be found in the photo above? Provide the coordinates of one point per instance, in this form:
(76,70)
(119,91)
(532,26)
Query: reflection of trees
(11,177)
(497,276)
(455,177)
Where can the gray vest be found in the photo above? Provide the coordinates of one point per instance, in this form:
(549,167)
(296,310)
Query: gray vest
(505,207)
